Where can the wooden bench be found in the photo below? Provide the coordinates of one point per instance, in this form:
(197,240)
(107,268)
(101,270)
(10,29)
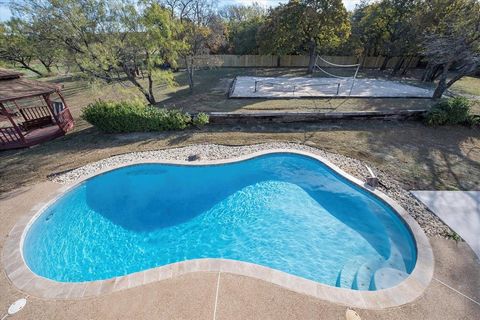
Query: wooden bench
(36,117)
(37,123)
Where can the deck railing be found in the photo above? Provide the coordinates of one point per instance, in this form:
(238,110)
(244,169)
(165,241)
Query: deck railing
(66,120)
(9,135)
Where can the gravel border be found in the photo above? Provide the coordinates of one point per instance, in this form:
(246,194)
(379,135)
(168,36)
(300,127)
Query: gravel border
(429,222)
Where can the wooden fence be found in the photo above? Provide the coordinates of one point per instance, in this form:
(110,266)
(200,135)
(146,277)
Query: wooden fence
(251,61)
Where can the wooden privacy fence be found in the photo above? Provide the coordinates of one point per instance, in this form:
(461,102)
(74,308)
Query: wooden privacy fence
(290,61)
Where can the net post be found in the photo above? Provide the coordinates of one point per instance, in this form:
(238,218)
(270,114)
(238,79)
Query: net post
(354,78)
(316,64)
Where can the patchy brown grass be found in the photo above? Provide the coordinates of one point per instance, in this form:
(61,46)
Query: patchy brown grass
(467,85)
(418,156)
(211,95)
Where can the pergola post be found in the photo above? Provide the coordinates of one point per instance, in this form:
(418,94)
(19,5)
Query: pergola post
(63,100)
(15,126)
(46,97)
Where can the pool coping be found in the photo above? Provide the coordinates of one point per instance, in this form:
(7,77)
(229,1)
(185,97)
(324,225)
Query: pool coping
(405,292)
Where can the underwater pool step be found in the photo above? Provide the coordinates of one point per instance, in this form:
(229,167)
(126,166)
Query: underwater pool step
(395,261)
(346,276)
(388,277)
(364,276)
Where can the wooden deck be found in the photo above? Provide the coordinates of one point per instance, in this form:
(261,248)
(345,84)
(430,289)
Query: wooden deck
(34,137)
(30,125)
(38,126)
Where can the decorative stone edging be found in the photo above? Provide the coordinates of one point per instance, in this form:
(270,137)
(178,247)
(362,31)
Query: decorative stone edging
(24,279)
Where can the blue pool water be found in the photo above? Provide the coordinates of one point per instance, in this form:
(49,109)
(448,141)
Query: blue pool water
(284,211)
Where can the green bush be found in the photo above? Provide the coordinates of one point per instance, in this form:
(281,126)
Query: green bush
(201,119)
(449,112)
(134,116)
(474,120)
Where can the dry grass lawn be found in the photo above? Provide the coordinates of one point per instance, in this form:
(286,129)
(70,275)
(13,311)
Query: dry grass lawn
(419,156)
(211,94)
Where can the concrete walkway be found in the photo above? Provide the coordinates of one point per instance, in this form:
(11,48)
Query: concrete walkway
(460,210)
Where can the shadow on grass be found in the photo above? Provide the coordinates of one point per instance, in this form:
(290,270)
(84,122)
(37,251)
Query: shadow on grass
(443,158)
(419,156)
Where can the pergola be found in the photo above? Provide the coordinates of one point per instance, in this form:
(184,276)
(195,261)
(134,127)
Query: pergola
(28,116)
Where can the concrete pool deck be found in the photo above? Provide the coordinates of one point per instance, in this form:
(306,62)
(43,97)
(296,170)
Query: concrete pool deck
(401,293)
(458,209)
(452,294)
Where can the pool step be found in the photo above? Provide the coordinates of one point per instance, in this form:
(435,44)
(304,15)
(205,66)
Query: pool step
(395,260)
(364,276)
(365,280)
(388,277)
(346,276)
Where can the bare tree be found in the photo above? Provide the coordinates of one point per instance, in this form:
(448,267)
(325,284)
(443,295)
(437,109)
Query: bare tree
(452,44)
(452,52)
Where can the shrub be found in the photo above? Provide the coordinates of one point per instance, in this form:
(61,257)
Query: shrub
(133,116)
(474,120)
(201,119)
(449,112)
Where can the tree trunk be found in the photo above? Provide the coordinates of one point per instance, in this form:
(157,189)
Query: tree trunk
(442,83)
(46,65)
(440,89)
(147,94)
(190,73)
(26,66)
(437,71)
(364,59)
(150,89)
(432,72)
(447,85)
(191,83)
(398,66)
(385,63)
(312,48)
(427,72)
(407,66)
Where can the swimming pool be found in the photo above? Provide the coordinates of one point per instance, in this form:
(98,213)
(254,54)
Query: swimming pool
(284,211)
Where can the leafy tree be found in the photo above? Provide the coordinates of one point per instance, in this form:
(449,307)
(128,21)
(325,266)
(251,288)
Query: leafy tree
(48,50)
(17,46)
(217,40)
(243,24)
(112,41)
(369,29)
(399,28)
(451,40)
(305,25)
(200,31)
(386,28)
